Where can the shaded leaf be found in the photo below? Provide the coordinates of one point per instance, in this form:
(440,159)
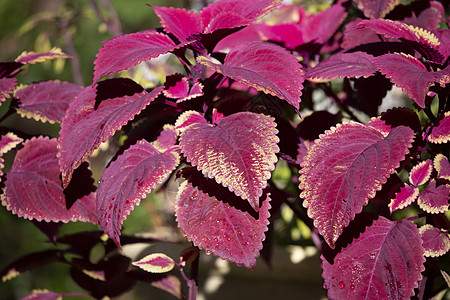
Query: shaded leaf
(170,284)
(239,152)
(155,263)
(179,89)
(314,124)
(344,169)
(7,86)
(33,186)
(82,184)
(441,134)
(436,242)
(434,199)
(442,166)
(33,57)
(83,128)
(402,116)
(353,64)
(405,197)
(188,255)
(44,295)
(46,101)
(115,88)
(9,68)
(421,172)
(377,9)
(385,262)
(128,179)
(132,49)
(219,228)
(266,67)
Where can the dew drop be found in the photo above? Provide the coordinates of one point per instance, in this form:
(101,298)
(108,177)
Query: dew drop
(341,285)
(352,287)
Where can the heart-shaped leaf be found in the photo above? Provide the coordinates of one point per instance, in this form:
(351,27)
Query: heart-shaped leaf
(353,64)
(377,9)
(436,242)
(132,49)
(128,179)
(220,228)
(421,172)
(442,166)
(33,57)
(7,86)
(344,169)
(33,186)
(46,101)
(385,262)
(441,133)
(434,199)
(84,128)
(266,67)
(155,263)
(405,197)
(239,152)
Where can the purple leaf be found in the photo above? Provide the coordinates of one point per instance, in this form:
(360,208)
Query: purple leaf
(436,242)
(441,133)
(219,228)
(354,37)
(7,86)
(266,67)
(442,166)
(83,128)
(132,49)
(238,153)
(379,124)
(444,37)
(171,284)
(46,101)
(428,18)
(7,142)
(155,263)
(180,90)
(421,172)
(385,262)
(188,118)
(9,69)
(377,9)
(344,169)
(33,186)
(33,57)
(409,74)
(166,139)
(128,179)
(180,22)
(354,64)
(434,199)
(407,195)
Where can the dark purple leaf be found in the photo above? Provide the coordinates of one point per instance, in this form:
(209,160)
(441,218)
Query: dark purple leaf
(9,68)
(83,128)
(128,179)
(421,172)
(407,195)
(377,9)
(344,169)
(353,64)
(434,199)
(314,124)
(179,89)
(46,101)
(442,166)
(265,67)
(219,228)
(82,184)
(189,255)
(33,186)
(180,22)
(385,262)
(7,86)
(441,133)
(436,242)
(402,116)
(33,57)
(239,152)
(125,51)
(115,88)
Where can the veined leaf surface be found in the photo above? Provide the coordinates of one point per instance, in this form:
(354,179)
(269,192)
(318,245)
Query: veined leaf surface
(344,168)
(434,199)
(436,242)
(441,133)
(421,172)
(377,9)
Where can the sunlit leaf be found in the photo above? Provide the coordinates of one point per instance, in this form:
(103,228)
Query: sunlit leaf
(155,263)
(33,57)
(421,172)
(441,134)
(442,166)
(436,242)
(434,199)
(180,22)
(405,197)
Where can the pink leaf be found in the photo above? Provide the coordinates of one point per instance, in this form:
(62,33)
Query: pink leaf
(125,51)
(429,18)
(405,197)
(220,228)
(344,169)
(441,133)
(128,179)
(188,118)
(408,73)
(434,199)
(7,86)
(226,20)
(354,37)
(421,172)
(385,262)
(377,9)
(166,139)
(33,57)
(46,101)
(155,263)
(180,90)
(436,242)
(180,22)
(265,67)
(84,128)
(354,64)
(238,153)
(33,187)
(442,166)
(380,125)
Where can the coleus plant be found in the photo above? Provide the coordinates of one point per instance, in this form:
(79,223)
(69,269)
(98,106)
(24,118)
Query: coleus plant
(227,121)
